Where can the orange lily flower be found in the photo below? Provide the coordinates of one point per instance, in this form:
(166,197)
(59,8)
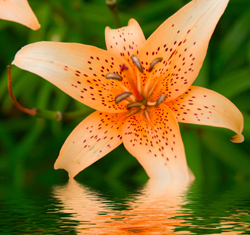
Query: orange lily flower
(140,88)
(18,11)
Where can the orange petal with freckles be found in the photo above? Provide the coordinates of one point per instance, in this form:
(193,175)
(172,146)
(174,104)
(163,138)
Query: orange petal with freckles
(92,139)
(205,107)
(18,11)
(182,42)
(79,70)
(157,143)
(125,41)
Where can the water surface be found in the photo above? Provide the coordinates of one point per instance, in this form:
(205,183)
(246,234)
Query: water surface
(153,208)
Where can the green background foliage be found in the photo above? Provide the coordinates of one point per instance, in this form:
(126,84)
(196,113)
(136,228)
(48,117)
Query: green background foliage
(30,146)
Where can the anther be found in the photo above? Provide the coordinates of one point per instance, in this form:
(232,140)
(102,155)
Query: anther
(132,105)
(160,100)
(122,97)
(114,76)
(137,63)
(155,61)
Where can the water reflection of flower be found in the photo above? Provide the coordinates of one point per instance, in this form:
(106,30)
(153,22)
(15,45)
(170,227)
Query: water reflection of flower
(152,210)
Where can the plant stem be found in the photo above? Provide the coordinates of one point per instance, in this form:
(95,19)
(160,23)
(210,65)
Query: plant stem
(29,111)
(112,6)
(47,114)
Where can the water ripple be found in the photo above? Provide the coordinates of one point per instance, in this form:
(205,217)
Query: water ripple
(157,208)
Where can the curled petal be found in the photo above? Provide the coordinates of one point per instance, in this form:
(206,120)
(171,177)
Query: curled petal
(78,70)
(125,41)
(92,139)
(18,11)
(182,42)
(205,107)
(154,140)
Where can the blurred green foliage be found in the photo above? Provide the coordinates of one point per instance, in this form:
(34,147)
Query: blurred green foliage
(29,146)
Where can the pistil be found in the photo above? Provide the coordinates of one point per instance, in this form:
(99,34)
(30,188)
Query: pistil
(125,71)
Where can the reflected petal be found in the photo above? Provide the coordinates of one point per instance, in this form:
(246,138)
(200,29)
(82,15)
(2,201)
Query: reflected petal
(162,200)
(79,200)
(151,211)
(18,11)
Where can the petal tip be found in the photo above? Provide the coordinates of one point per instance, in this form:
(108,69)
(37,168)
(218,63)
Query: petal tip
(56,167)
(18,54)
(239,138)
(132,21)
(70,175)
(57,164)
(36,27)
(107,29)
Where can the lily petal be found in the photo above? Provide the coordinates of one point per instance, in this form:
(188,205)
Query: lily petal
(79,71)
(18,11)
(182,42)
(92,139)
(157,143)
(125,41)
(205,107)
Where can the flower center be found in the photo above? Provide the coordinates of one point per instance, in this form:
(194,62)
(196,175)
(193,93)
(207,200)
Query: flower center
(138,101)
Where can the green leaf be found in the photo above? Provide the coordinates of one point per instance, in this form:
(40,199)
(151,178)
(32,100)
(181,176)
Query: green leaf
(193,150)
(233,84)
(229,153)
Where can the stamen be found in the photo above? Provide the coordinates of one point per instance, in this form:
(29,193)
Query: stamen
(153,87)
(151,77)
(114,76)
(149,103)
(132,105)
(155,61)
(160,100)
(130,113)
(122,97)
(137,63)
(147,115)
